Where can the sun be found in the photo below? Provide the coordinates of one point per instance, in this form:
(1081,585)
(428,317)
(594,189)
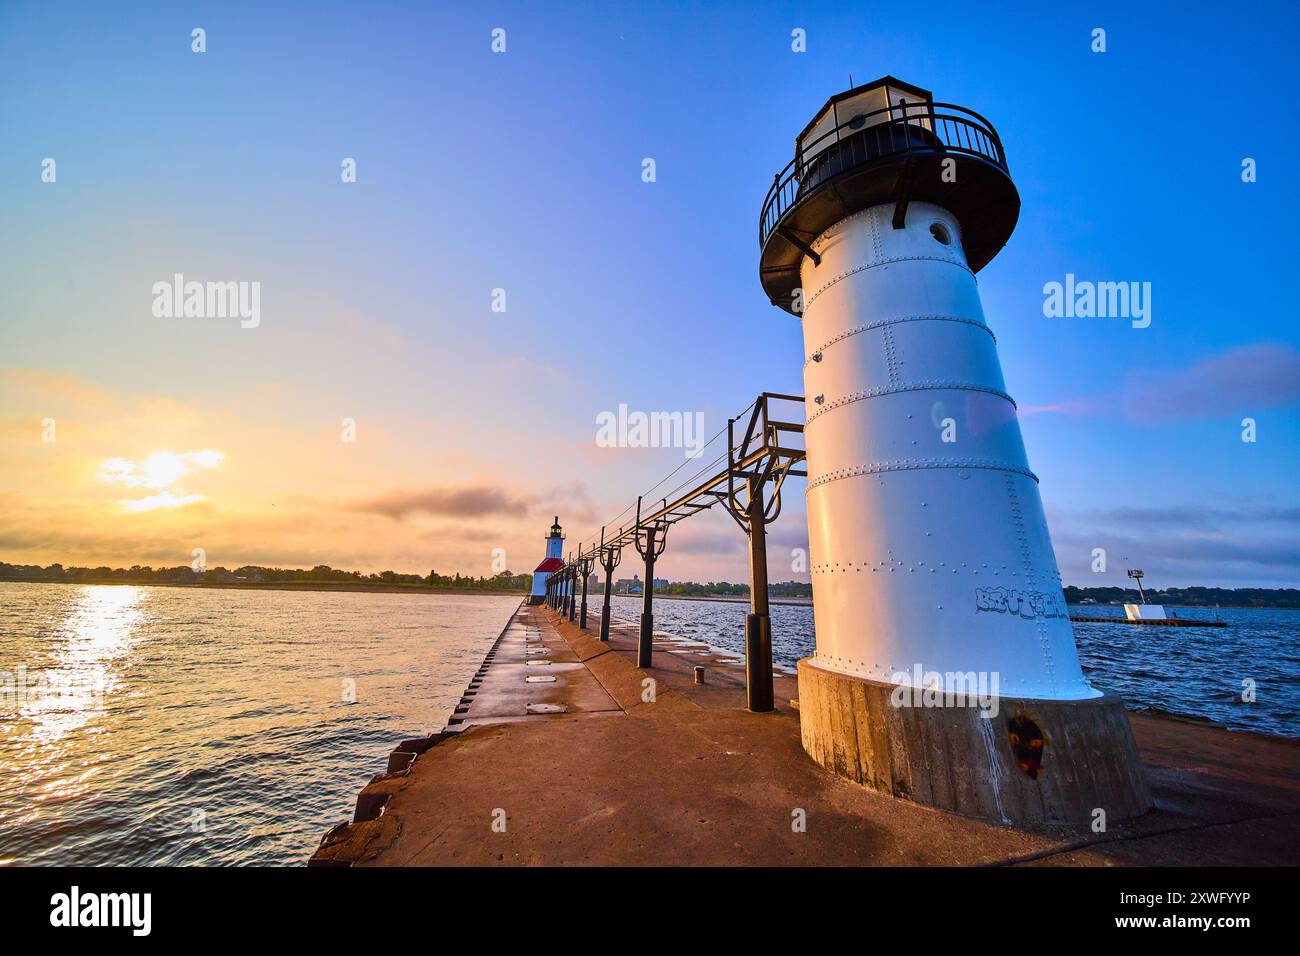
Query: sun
(159,472)
(161,469)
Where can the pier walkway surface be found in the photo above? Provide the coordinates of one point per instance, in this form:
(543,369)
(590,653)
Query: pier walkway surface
(581,770)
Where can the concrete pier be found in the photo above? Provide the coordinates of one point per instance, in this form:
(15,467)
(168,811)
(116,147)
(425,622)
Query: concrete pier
(597,767)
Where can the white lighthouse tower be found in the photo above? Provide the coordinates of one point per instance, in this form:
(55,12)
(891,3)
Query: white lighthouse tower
(945,668)
(551,563)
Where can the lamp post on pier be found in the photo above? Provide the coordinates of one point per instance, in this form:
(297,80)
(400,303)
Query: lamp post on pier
(585,562)
(573,584)
(610,556)
(650,543)
(758,623)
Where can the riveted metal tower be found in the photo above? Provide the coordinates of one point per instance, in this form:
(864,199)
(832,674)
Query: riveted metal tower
(932,565)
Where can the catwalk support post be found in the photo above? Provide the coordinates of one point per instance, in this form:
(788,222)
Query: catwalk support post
(650,542)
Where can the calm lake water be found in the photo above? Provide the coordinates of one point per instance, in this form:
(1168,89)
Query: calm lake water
(1193,671)
(213,726)
(216,726)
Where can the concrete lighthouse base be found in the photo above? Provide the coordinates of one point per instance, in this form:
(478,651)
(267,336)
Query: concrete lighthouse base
(1033,762)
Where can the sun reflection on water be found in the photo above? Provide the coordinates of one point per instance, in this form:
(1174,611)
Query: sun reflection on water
(224,700)
(89,650)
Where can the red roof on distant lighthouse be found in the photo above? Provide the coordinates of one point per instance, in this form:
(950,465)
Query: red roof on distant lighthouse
(550,564)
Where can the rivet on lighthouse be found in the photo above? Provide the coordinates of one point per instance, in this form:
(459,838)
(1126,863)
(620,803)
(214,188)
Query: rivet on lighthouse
(550,564)
(934,580)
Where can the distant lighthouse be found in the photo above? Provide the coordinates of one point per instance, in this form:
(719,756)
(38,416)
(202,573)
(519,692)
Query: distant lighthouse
(551,563)
(934,580)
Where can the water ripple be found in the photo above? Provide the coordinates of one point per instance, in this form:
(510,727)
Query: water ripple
(1194,671)
(218,727)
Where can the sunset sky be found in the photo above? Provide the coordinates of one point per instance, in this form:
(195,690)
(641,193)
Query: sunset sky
(522,171)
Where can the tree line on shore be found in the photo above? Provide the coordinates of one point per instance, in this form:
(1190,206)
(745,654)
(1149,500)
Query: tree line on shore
(726,589)
(505,581)
(1282,598)
(256,574)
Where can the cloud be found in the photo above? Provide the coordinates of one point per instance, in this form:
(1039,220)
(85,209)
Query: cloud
(166,499)
(570,500)
(160,470)
(519,366)
(1193,559)
(683,539)
(468,501)
(310,499)
(1239,381)
(300,533)
(1254,543)
(1187,517)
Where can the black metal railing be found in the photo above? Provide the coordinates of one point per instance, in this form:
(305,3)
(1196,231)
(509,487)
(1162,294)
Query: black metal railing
(868,137)
(749,486)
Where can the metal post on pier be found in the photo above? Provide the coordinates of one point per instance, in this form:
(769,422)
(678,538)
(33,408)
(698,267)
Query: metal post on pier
(564,590)
(649,547)
(758,623)
(585,563)
(753,519)
(582,611)
(609,559)
(645,641)
(573,585)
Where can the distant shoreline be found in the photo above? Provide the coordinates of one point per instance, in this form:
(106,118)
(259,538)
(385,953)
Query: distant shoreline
(425,589)
(275,586)
(724,599)
(382,588)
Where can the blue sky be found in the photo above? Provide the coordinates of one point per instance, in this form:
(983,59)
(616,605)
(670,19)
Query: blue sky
(522,171)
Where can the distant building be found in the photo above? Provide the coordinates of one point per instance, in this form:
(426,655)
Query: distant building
(661,582)
(593,582)
(630,585)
